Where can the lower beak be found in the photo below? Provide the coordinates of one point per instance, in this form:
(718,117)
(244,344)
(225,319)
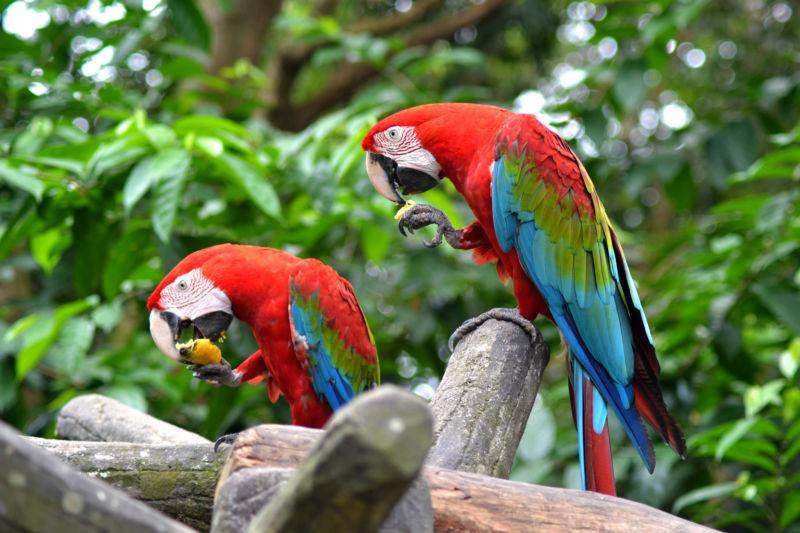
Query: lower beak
(166,329)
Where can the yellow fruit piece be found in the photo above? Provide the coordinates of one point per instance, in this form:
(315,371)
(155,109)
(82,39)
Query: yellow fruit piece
(199,352)
(402,211)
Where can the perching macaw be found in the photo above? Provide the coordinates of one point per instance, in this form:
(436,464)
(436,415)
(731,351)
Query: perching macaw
(539,217)
(315,346)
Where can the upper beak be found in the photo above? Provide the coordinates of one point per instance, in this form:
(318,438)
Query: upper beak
(166,329)
(382,172)
(389,178)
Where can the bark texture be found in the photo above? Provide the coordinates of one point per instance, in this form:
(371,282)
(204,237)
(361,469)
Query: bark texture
(93,417)
(485,398)
(39,492)
(177,479)
(351,479)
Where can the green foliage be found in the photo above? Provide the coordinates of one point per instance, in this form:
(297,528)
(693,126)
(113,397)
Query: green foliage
(121,155)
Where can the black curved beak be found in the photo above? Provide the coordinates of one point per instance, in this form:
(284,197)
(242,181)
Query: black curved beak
(212,326)
(384,171)
(166,329)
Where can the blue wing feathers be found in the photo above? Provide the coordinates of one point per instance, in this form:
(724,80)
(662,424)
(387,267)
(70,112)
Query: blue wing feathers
(326,381)
(504,222)
(592,318)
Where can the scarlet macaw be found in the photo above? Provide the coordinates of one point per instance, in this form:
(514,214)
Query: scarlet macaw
(315,346)
(539,217)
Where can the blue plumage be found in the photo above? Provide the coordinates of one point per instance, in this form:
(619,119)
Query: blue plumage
(326,381)
(591,315)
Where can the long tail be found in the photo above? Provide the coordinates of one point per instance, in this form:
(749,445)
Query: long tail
(594,448)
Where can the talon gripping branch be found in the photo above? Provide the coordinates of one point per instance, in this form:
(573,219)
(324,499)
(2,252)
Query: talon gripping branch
(538,217)
(315,346)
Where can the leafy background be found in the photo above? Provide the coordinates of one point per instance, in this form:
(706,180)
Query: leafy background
(130,140)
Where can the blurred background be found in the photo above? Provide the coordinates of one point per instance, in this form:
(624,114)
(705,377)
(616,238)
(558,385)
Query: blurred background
(134,133)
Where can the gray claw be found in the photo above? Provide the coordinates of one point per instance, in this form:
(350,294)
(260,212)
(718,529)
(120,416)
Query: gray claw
(500,313)
(216,374)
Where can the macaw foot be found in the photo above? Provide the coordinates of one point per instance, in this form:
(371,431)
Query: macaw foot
(217,373)
(228,438)
(498,313)
(422,215)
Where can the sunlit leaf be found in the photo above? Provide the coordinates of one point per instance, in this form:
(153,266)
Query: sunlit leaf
(737,432)
(168,190)
(22,179)
(253,182)
(48,246)
(40,333)
(703,494)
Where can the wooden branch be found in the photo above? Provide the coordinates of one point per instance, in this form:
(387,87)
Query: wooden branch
(238,30)
(370,453)
(461,501)
(485,398)
(177,479)
(93,417)
(294,116)
(39,492)
(464,502)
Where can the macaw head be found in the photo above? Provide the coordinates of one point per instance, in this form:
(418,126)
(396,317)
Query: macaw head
(189,296)
(413,150)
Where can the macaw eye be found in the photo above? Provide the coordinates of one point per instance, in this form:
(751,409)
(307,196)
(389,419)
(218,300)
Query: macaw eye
(183,285)
(393,134)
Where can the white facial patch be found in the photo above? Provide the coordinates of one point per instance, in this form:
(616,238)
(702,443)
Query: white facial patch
(192,295)
(402,145)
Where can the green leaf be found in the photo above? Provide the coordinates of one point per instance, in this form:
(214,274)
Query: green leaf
(73,343)
(251,181)
(8,389)
(31,140)
(731,437)
(138,182)
(167,196)
(703,494)
(730,149)
(108,315)
(130,394)
(127,254)
(22,179)
(781,302)
(47,247)
(757,397)
(190,23)
(21,224)
(211,146)
(149,171)
(90,237)
(160,136)
(790,509)
(39,334)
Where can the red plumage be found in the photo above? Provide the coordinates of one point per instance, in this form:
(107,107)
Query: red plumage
(464,141)
(257,282)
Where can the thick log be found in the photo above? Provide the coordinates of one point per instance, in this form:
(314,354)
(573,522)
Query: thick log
(39,492)
(178,480)
(98,418)
(461,501)
(464,502)
(485,398)
(370,453)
